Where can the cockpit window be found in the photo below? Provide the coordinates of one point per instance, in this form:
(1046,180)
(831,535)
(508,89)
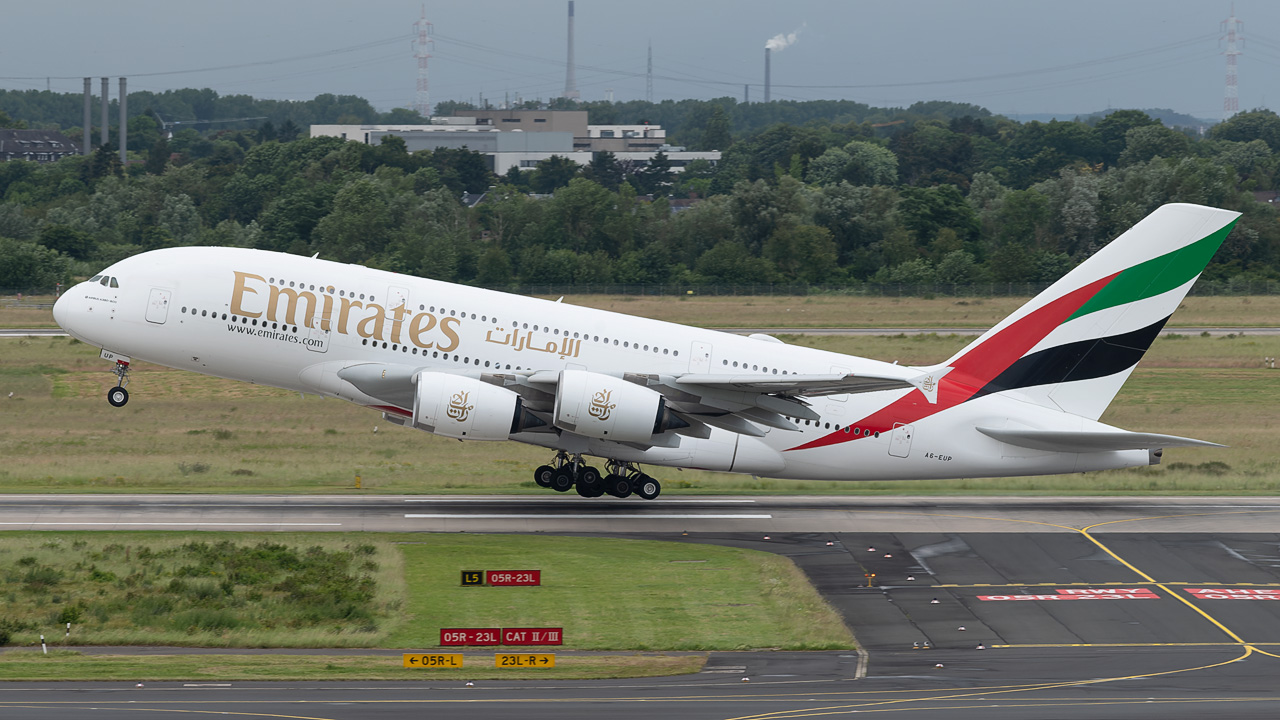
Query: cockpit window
(114,284)
(95,278)
(104,280)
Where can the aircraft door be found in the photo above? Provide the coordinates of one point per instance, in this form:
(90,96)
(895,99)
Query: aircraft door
(317,336)
(700,357)
(397,297)
(158,306)
(900,440)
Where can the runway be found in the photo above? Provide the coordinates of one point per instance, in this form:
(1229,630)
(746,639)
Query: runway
(568,513)
(1190,623)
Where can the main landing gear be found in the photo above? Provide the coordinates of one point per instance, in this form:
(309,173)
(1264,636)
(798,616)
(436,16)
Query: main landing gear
(570,472)
(117,395)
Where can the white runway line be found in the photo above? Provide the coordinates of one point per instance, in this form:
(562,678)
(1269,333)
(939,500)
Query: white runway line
(465,516)
(534,501)
(184,524)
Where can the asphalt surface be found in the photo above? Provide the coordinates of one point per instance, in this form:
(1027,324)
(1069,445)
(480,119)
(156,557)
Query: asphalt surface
(1153,649)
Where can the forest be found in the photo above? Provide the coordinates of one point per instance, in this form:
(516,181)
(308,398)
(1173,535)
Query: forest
(823,194)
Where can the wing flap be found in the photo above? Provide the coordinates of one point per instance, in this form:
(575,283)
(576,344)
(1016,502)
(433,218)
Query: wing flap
(1090,441)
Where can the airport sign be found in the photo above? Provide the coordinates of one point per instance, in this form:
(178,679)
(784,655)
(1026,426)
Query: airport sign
(1082,594)
(513,577)
(469,636)
(533,636)
(436,660)
(522,660)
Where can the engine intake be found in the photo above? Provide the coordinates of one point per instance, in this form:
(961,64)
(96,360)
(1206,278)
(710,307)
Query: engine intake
(608,408)
(468,409)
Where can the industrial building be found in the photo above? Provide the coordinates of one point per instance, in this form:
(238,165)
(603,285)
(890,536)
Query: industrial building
(523,138)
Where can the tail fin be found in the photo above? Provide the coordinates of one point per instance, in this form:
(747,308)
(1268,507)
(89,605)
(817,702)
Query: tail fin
(1073,345)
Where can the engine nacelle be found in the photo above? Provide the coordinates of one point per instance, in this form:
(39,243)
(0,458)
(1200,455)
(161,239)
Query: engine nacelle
(466,408)
(609,408)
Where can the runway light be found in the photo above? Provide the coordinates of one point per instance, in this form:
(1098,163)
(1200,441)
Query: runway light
(911,578)
(471,684)
(934,602)
(746,679)
(829,543)
(981,646)
(961,628)
(888,555)
(938,665)
(871,549)
(766,537)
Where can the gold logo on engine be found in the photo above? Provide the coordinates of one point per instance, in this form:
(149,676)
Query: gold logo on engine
(600,406)
(458,408)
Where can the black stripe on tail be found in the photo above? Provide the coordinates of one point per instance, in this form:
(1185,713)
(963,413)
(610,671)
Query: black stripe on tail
(1082,360)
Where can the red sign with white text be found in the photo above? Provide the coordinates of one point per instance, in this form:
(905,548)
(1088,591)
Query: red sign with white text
(1083,594)
(1233,594)
(533,636)
(513,577)
(469,636)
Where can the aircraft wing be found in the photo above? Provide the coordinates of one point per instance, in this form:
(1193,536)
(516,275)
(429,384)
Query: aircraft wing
(1091,441)
(741,403)
(797,385)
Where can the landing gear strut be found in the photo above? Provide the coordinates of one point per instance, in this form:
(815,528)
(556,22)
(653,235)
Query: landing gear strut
(117,395)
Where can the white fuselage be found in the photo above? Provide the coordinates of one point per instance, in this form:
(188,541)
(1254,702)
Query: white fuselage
(293,322)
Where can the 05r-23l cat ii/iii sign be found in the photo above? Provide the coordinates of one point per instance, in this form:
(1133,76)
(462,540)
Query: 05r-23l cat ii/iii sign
(1022,399)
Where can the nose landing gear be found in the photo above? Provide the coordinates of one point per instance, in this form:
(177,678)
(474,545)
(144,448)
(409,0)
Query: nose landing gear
(117,395)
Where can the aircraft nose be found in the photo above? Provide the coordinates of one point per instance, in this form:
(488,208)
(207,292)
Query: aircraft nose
(68,311)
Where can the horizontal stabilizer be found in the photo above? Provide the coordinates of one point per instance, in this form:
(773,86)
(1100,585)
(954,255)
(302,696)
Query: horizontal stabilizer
(1085,442)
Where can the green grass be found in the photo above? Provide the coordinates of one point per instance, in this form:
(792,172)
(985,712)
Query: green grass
(283,590)
(187,433)
(209,591)
(31,666)
(619,594)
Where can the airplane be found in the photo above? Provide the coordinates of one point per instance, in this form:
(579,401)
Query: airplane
(1024,398)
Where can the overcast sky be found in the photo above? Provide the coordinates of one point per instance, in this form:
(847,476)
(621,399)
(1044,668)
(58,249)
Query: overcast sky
(1061,57)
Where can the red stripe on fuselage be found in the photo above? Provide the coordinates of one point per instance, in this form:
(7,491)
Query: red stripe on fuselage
(972,371)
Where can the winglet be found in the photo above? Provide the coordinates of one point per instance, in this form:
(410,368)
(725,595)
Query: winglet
(927,383)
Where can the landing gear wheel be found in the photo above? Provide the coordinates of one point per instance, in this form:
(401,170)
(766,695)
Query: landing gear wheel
(117,396)
(562,480)
(647,487)
(589,489)
(618,486)
(543,475)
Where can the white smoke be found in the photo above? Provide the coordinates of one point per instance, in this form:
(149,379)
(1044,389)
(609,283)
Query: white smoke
(782,40)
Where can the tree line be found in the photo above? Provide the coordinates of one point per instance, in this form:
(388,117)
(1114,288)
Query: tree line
(827,192)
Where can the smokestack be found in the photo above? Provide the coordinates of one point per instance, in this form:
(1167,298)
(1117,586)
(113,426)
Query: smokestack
(104,135)
(570,80)
(86,135)
(768,55)
(124,122)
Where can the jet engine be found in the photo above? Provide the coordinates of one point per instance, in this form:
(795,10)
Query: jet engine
(468,409)
(600,406)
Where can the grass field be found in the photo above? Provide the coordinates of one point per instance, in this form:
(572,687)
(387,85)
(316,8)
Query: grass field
(819,311)
(184,432)
(32,666)
(286,590)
